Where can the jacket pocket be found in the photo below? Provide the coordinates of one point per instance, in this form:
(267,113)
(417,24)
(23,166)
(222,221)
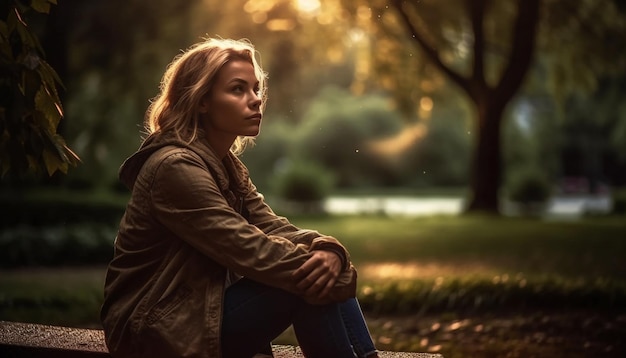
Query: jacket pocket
(168,304)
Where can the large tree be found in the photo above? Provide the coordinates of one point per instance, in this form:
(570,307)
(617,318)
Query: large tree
(487,48)
(489,100)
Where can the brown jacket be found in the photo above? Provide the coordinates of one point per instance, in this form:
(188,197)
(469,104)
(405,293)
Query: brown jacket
(189,219)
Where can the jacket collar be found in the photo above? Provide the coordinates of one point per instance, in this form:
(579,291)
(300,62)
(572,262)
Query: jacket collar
(229,173)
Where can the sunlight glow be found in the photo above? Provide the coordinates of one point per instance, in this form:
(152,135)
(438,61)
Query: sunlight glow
(356,35)
(281,25)
(399,143)
(252,6)
(385,271)
(402,271)
(258,9)
(308,6)
(426,103)
(364,13)
(425,108)
(259,17)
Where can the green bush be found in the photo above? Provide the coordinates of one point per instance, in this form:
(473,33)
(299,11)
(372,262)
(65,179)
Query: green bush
(442,157)
(336,131)
(271,149)
(53,207)
(303,182)
(58,245)
(619,201)
(528,186)
(55,227)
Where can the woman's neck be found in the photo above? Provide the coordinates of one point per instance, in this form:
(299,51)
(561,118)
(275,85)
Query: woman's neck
(220,144)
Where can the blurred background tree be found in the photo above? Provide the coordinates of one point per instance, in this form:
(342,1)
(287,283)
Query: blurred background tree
(353,90)
(488,49)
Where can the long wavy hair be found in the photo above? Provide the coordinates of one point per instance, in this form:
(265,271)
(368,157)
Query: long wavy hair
(189,78)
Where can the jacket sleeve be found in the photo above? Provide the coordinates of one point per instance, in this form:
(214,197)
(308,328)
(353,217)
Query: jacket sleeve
(187,200)
(263,217)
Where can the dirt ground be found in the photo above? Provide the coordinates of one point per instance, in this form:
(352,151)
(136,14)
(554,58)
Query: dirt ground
(502,335)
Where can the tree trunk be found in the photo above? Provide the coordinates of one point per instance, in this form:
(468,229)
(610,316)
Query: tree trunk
(490,102)
(487,161)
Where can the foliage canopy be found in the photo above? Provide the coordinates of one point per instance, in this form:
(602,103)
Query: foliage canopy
(30,107)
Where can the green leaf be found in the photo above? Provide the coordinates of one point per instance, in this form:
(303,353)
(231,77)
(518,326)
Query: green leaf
(49,75)
(64,151)
(53,162)
(45,103)
(56,144)
(67,155)
(12,19)
(41,6)
(4,32)
(29,40)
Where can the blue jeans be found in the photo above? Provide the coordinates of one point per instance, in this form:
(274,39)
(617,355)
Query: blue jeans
(255,314)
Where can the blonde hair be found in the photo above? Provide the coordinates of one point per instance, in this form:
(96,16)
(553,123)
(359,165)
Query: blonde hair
(189,78)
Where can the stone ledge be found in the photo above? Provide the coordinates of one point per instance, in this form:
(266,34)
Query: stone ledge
(294,352)
(37,340)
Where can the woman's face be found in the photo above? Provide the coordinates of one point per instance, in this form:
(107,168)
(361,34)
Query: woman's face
(233,107)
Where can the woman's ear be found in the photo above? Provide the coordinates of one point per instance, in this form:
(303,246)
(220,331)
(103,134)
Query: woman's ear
(203,107)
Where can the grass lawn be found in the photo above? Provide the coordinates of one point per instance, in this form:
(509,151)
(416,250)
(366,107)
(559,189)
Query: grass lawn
(484,287)
(462,286)
(584,248)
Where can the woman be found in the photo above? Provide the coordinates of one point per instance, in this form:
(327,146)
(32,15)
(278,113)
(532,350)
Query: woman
(202,266)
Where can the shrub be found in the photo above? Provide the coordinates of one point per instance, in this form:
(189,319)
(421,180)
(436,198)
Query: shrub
(303,183)
(528,187)
(56,245)
(442,157)
(335,133)
(52,207)
(271,149)
(619,201)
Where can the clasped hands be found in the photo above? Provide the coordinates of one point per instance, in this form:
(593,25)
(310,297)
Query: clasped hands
(317,276)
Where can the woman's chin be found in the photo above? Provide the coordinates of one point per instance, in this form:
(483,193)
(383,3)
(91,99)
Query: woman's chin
(253,132)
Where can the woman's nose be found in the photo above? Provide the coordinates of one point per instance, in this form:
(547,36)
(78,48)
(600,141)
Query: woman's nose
(256,101)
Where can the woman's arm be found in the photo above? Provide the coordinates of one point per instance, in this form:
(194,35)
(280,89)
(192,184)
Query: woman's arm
(187,200)
(263,217)
(329,263)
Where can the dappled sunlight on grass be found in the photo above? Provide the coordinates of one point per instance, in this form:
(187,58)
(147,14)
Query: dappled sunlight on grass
(414,270)
(480,245)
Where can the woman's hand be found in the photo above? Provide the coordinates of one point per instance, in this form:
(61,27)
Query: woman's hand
(317,276)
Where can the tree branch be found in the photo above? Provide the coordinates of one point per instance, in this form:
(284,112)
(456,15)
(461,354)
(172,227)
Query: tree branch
(521,55)
(476,10)
(430,51)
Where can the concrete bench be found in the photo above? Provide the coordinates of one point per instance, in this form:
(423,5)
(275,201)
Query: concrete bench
(36,340)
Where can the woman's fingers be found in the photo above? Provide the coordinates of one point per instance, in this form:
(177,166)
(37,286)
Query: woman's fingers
(317,276)
(309,273)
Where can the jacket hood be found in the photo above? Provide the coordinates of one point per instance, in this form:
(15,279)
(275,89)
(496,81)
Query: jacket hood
(230,172)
